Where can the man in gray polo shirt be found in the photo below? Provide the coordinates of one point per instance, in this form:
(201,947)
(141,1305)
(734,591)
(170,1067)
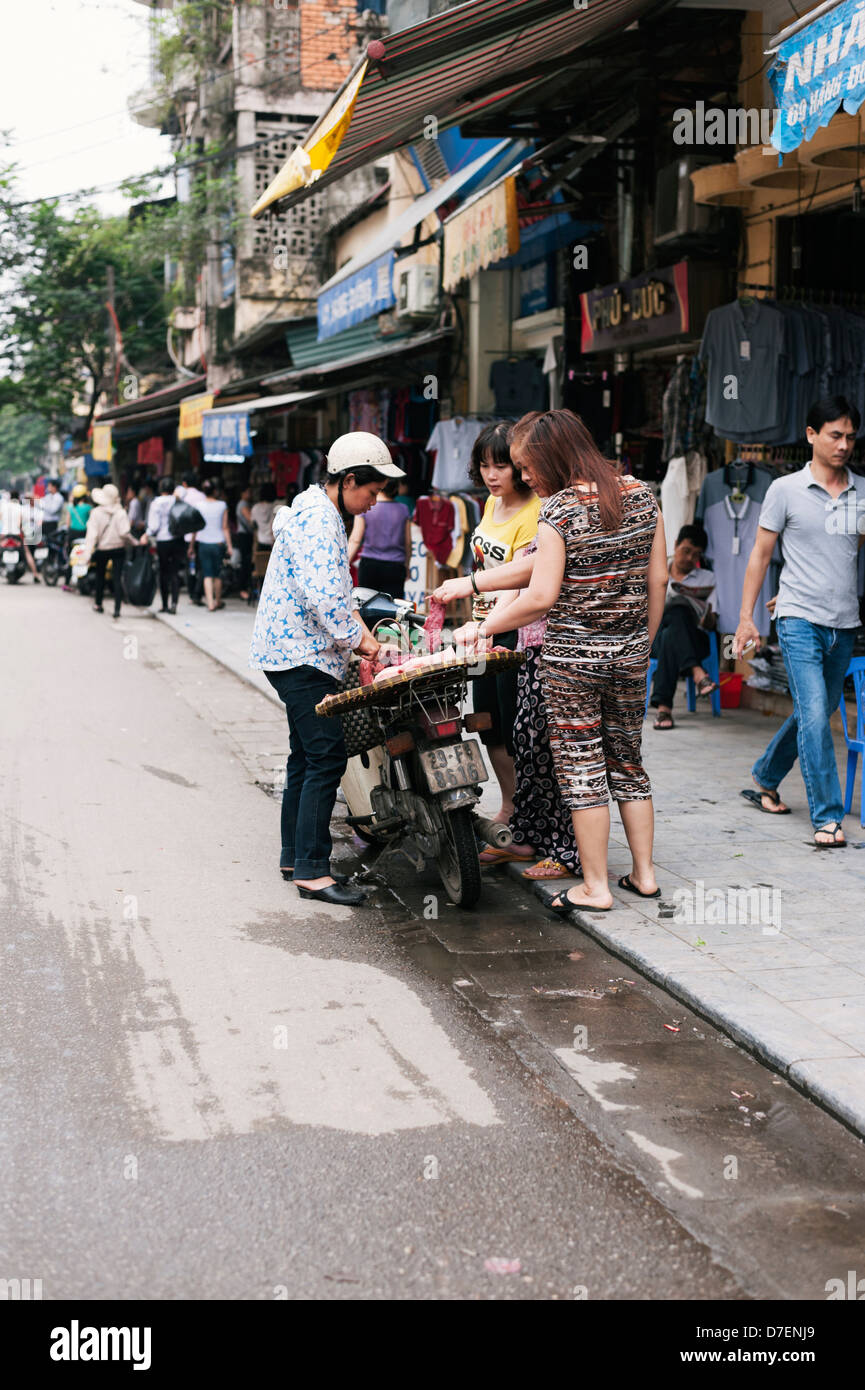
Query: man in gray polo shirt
(819,513)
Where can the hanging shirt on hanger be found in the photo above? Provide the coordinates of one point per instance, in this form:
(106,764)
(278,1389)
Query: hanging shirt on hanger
(519,385)
(452,442)
(732,529)
(744,348)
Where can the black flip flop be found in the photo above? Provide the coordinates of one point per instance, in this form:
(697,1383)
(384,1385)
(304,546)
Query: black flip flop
(629,887)
(664,722)
(562,905)
(756,799)
(831,828)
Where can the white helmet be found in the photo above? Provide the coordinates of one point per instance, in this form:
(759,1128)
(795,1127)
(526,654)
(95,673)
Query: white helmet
(361,450)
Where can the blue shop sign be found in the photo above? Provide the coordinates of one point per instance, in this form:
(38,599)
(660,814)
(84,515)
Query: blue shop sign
(818,70)
(226,437)
(360,296)
(536,287)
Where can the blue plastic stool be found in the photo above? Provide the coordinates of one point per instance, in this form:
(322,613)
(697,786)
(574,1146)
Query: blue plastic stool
(713,669)
(856,745)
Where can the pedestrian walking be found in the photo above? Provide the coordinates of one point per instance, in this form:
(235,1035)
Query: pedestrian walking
(243,539)
(214,543)
(817,513)
(107,538)
(600,576)
(170,550)
(305,631)
(190,492)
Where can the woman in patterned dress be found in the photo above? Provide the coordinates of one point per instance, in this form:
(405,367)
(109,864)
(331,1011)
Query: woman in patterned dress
(601,576)
(541,822)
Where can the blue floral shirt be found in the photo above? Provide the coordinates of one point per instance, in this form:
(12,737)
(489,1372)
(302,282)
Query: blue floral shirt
(304,614)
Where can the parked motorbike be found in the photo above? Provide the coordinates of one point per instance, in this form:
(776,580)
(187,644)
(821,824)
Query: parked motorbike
(417,784)
(50,557)
(12,558)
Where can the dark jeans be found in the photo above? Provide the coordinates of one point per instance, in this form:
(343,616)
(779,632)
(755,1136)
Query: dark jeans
(385,575)
(680,644)
(195,582)
(171,555)
(243,541)
(316,762)
(102,557)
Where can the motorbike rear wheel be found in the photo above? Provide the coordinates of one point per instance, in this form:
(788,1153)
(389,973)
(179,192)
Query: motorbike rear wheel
(51,571)
(458,862)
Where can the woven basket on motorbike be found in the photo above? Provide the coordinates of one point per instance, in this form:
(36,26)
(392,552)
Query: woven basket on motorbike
(361,729)
(357,700)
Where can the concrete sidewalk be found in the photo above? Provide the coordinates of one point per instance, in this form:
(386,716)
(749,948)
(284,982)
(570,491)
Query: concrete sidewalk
(755,928)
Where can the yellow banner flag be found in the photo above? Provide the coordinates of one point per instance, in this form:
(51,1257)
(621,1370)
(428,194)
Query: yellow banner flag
(102,443)
(308,161)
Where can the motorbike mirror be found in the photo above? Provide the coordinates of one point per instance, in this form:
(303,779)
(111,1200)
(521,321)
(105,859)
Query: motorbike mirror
(376,607)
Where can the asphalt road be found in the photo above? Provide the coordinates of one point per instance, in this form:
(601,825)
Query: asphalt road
(210,1092)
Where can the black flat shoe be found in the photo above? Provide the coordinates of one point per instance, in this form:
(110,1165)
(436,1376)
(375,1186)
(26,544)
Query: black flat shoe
(340,893)
(288,875)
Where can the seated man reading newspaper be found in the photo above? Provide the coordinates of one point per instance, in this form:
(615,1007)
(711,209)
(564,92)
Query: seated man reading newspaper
(689,613)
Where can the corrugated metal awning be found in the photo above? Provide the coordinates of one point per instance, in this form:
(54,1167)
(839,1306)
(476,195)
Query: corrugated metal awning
(466,60)
(266,403)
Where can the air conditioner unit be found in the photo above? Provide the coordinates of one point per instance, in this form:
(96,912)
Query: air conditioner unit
(678,219)
(418,291)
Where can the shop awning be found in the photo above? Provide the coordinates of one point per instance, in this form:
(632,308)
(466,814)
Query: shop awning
(818,68)
(165,401)
(450,67)
(264,403)
(321,359)
(393,234)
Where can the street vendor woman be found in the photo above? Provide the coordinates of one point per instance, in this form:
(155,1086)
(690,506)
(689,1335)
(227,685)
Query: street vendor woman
(305,632)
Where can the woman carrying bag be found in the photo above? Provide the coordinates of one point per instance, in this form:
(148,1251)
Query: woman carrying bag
(305,632)
(108,535)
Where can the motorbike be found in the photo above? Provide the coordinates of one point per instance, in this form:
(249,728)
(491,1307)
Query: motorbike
(415,786)
(50,557)
(12,558)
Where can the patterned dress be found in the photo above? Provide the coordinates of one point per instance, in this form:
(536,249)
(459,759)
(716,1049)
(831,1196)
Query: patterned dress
(596,646)
(540,817)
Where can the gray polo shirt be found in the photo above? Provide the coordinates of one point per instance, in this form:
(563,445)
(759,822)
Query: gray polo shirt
(820,539)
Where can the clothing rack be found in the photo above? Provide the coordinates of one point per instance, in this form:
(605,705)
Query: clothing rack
(837,298)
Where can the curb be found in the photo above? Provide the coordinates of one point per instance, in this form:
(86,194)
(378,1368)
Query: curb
(731,1017)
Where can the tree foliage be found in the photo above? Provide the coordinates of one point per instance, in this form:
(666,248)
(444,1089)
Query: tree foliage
(55,329)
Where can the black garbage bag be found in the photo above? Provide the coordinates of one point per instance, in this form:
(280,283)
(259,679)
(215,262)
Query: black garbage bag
(184,518)
(139,577)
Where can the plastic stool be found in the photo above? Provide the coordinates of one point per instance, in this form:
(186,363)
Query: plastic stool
(855,744)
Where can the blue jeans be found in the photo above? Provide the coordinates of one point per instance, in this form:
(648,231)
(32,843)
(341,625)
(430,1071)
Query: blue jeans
(316,762)
(816,659)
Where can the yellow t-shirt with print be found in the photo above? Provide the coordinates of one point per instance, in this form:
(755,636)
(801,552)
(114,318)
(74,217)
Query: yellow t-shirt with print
(494,544)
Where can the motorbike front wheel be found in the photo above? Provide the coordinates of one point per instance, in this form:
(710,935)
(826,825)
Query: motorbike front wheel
(458,862)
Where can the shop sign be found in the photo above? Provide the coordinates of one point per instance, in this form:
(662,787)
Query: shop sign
(486,231)
(817,70)
(102,443)
(649,308)
(360,296)
(225,438)
(535,288)
(192,416)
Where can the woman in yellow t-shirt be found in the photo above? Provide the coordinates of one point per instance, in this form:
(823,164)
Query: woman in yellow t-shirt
(508,525)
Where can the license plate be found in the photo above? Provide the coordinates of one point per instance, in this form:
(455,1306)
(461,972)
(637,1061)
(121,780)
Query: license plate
(455,765)
(10,557)
(41,552)
(79,571)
